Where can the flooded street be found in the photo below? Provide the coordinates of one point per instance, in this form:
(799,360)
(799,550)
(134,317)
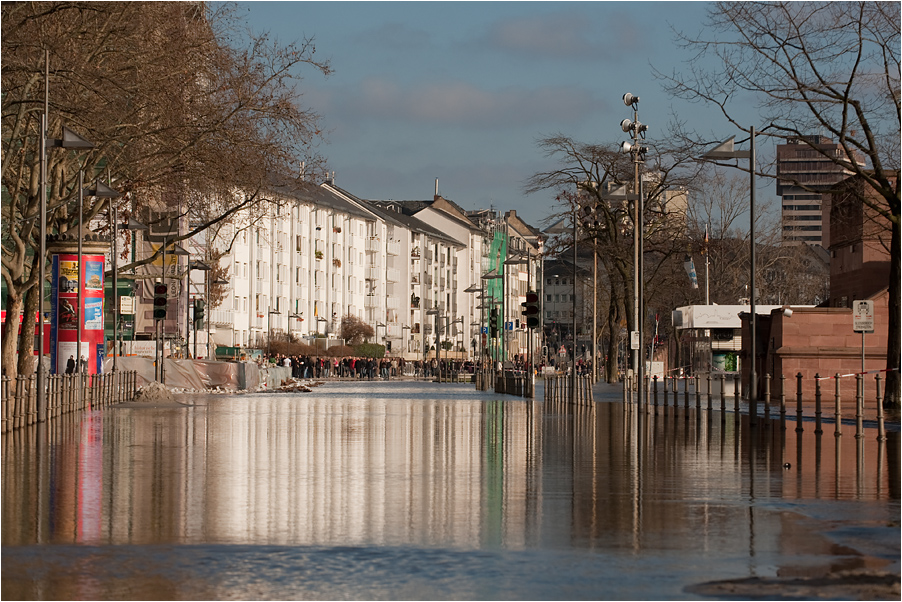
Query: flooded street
(414,490)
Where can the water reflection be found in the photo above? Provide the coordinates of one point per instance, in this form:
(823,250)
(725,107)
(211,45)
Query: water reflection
(409,465)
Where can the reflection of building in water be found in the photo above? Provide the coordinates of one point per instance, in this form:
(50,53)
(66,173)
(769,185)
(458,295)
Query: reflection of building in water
(364,471)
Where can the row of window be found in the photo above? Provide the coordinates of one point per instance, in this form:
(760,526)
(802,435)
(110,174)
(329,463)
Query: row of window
(559,298)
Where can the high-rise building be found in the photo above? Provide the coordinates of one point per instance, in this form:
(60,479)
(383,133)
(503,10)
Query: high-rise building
(802,173)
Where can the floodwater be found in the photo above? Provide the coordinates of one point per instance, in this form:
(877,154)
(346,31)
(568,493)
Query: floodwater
(414,490)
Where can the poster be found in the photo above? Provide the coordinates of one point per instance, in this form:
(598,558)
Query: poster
(93,276)
(93,314)
(68,277)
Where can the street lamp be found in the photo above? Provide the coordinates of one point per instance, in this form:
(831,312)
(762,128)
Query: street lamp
(269,316)
(69,140)
(192,265)
(435,312)
(525,261)
(637,151)
(494,276)
(725,150)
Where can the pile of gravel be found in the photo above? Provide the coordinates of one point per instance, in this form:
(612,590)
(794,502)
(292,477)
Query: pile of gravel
(154,392)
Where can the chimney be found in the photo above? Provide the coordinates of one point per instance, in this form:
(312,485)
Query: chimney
(436,187)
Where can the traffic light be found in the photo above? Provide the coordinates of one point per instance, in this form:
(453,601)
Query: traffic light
(160,300)
(493,323)
(198,313)
(532,309)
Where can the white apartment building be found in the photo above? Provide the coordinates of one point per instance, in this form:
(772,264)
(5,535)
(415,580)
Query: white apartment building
(410,269)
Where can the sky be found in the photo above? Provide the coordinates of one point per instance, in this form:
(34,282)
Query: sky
(462,91)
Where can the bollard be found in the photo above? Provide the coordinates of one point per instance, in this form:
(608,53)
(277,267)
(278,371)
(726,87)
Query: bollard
(736,396)
(708,379)
(665,390)
(767,378)
(817,404)
(656,393)
(859,399)
(723,393)
(686,392)
(698,393)
(783,401)
(881,432)
(837,431)
(799,428)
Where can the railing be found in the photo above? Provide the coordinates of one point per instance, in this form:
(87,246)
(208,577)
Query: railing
(393,247)
(66,393)
(561,388)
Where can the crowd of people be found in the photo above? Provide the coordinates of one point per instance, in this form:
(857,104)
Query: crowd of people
(305,367)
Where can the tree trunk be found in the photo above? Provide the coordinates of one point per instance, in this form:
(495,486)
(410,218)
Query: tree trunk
(26,364)
(10,333)
(611,365)
(893,339)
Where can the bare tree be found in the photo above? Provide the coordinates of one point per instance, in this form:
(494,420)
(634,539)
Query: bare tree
(814,67)
(355,331)
(181,120)
(580,180)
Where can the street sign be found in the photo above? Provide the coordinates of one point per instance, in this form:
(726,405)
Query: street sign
(634,339)
(126,305)
(863,316)
(508,326)
(485,330)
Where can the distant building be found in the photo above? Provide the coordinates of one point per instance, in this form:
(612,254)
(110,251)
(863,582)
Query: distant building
(860,243)
(802,173)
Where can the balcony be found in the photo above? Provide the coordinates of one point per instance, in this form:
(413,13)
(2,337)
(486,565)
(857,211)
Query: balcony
(373,244)
(373,273)
(393,247)
(371,301)
(393,275)
(222,317)
(393,302)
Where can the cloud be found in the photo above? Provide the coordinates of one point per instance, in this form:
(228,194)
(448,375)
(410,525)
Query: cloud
(570,36)
(395,37)
(466,105)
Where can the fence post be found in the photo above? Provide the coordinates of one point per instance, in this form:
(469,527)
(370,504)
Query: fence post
(723,393)
(837,431)
(656,393)
(881,432)
(736,395)
(859,403)
(767,378)
(686,392)
(817,404)
(783,401)
(799,413)
(698,392)
(710,394)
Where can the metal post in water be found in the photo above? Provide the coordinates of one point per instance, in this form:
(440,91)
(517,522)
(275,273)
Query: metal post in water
(817,404)
(665,390)
(698,393)
(799,428)
(656,393)
(767,378)
(783,401)
(881,432)
(837,431)
(723,394)
(859,403)
(710,396)
(736,396)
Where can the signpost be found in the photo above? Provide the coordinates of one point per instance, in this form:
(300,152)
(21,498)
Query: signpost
(862,321)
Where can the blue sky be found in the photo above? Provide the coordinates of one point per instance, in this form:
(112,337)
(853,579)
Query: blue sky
(461,91)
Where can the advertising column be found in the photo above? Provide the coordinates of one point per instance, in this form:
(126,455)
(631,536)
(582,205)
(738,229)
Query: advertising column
(66,355)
